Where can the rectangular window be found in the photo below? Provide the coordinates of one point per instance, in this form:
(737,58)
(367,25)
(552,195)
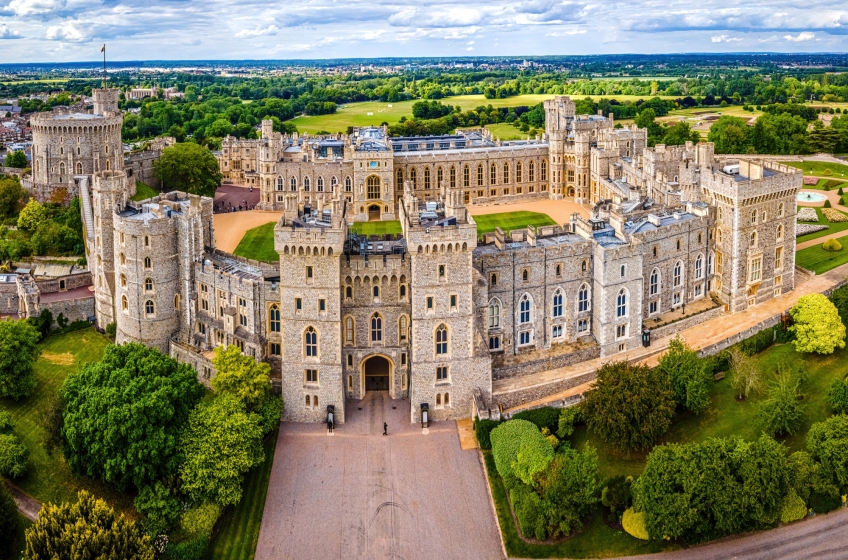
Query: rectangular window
(312,376)
(623,270)
(698,290)
(322,305)
(350,360)
(429,302)
(652,307)
(441,271)
(453,301)
(583,325)
(524,338)
(778,280)
(298,304)
(494,343)
(778,258)
(309,272)
(675,300)
(621,331)
(557,331)
(756,270)
(204,304)
(403,359)
(275,349)
(442,373)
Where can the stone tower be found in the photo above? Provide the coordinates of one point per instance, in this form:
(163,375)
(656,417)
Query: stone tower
(310,296)
(559,121)
(106,101)
(271,194)
(108,196)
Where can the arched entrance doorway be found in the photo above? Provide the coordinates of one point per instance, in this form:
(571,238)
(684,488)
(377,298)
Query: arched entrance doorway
(377,370)
(374,213)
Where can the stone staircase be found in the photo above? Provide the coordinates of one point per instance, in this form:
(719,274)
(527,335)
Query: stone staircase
(87,214)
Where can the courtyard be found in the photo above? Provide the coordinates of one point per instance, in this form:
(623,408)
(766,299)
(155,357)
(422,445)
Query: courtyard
(359,494)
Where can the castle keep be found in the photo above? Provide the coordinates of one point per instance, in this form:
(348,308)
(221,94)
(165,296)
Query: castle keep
(434,314)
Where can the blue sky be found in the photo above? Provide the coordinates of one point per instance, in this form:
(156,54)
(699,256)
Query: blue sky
(73,30)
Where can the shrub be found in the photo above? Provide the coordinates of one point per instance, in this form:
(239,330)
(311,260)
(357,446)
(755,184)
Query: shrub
(6,422)
(758,342)
(634,524)
(195,549)
(616,494)
(831,245)
(545,417)
(112,329)
(483,428)
(200,520)
(569,489)
(13,456)
(160,510)
(827,172)
(781,412)
(520,449)
(818,327)
(568,418)
(839,192)
(792,508)
(827,203)
(837,396)
(528,510)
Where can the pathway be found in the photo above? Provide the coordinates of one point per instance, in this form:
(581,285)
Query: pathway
(27,505)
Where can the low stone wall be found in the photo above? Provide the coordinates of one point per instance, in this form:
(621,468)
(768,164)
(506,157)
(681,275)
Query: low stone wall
(72,281)
(530,394)
(683,324)
(545,363)
(79,309)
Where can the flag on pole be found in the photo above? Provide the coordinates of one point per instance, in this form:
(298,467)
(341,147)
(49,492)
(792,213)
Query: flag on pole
(104,48)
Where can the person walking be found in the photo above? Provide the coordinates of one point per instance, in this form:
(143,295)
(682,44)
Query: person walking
(385,429)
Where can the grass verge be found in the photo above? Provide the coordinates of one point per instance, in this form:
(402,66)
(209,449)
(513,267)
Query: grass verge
(143,191)
(819,168)
(376,228)
(48,478)
(258,244)
(818,260)
(596,541)
(239,529)
(511,220)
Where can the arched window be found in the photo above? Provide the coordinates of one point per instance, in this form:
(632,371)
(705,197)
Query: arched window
(494,314)
(440,176)
(711,263)
(275,318)
(466,176)
(308,401)
(280,184)
(376,328)
(655,282)
(493,175)
(147,263)
(319,184)
(146,241)
(480,175)
(125,306)
(148,285)
(413,177)
(79,168)
(452,176)
(447,399)
(441,340)
(438,399)
(780,232)
(402,291)
(753,239)
(61,168)
(699,267)
(348,184)
(349,330)
(621,304)
(310,339)
(306,183)
(123,281)
(293,184)
(583,298)
(376,291)
(531,171)
(403,328)
(558,303)
(544,169)
(519,169)
(678,274)
(149,308)
(373,183)
(426,178)
(333,183)
(780,210)
(349,292)
(506,173)
(524,309)
(399,178)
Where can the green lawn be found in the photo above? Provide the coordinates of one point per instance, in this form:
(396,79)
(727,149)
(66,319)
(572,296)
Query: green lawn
(239,526)
(596,541)
(20,542)
(258,244)
(48,478)
(831,227)
(376,228)
(822,182)
(505,131)
(818,260)
(511,220)
(838,170)
(143,191)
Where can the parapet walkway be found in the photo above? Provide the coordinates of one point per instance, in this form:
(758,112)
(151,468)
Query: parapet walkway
(704,335)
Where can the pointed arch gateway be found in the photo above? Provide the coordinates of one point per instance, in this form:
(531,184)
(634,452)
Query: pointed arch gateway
(377,373)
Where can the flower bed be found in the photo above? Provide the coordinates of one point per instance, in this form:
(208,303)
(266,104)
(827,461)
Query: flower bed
(811,180)
(806,229)
(807,215)
(834,216)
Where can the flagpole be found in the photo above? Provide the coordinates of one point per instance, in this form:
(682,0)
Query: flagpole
(103,50)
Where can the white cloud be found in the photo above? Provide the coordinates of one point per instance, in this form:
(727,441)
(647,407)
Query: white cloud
(566,33)
(6,33)
(29,7)
(66,32)
(437,16)
(805,36)
(725,39)
(270,30)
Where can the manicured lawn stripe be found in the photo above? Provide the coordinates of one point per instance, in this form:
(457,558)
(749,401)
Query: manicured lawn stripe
(376,228)
(838,170)
(818,260)
(258,244)
(239,527)
(511,220)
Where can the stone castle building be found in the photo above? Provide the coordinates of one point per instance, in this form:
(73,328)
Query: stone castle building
(434,314)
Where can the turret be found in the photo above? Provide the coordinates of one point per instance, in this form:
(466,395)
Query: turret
(106,101)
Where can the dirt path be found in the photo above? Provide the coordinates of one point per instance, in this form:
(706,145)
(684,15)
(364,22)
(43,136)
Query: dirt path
(28,506)
(230,228)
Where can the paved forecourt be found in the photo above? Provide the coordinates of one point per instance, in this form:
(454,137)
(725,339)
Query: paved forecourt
(359,494)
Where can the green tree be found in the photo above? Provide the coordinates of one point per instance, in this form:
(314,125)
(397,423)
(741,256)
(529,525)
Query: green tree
(220,443)
(686,372)
(730,135)
(617,494)
(647,119)
(837,396)
(744,375)
(16,159)
(32,215)
(87,528)
(250,382)
(824,139)
(190,168)
(159,508)
(123,415)
(12,194)
(630,406)
(679,134)
(817,327)
(519,447)
(781,412)
(13,456)
(827,442)
(9,523)
(18,352)
(569,490)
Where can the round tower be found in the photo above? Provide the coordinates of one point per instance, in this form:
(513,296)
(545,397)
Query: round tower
(108,195)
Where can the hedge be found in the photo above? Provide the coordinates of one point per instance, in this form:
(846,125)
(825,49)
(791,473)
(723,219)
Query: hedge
(516,436)
(189,550)
(545,417)
(758,342)
(634,524)
(528,510)
(482,428)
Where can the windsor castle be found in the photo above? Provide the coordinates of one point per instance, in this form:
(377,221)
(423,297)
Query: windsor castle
(436,313)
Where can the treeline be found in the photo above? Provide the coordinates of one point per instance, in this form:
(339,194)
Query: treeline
(779,133)
(434,118)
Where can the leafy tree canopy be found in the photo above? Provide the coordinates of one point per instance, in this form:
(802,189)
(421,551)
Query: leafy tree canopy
(16,159)
(18,351)
(520,450)
(190,168)
(12,194)
(685,371)
(817,327)
(827,442)
(32,215)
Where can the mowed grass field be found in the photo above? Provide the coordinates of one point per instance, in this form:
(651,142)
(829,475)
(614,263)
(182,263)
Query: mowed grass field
(818,260)
(258,244)
(511,220)
(143,191)
(48,478)
(819,168)
(376,228)
(356,114)
(239,526)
